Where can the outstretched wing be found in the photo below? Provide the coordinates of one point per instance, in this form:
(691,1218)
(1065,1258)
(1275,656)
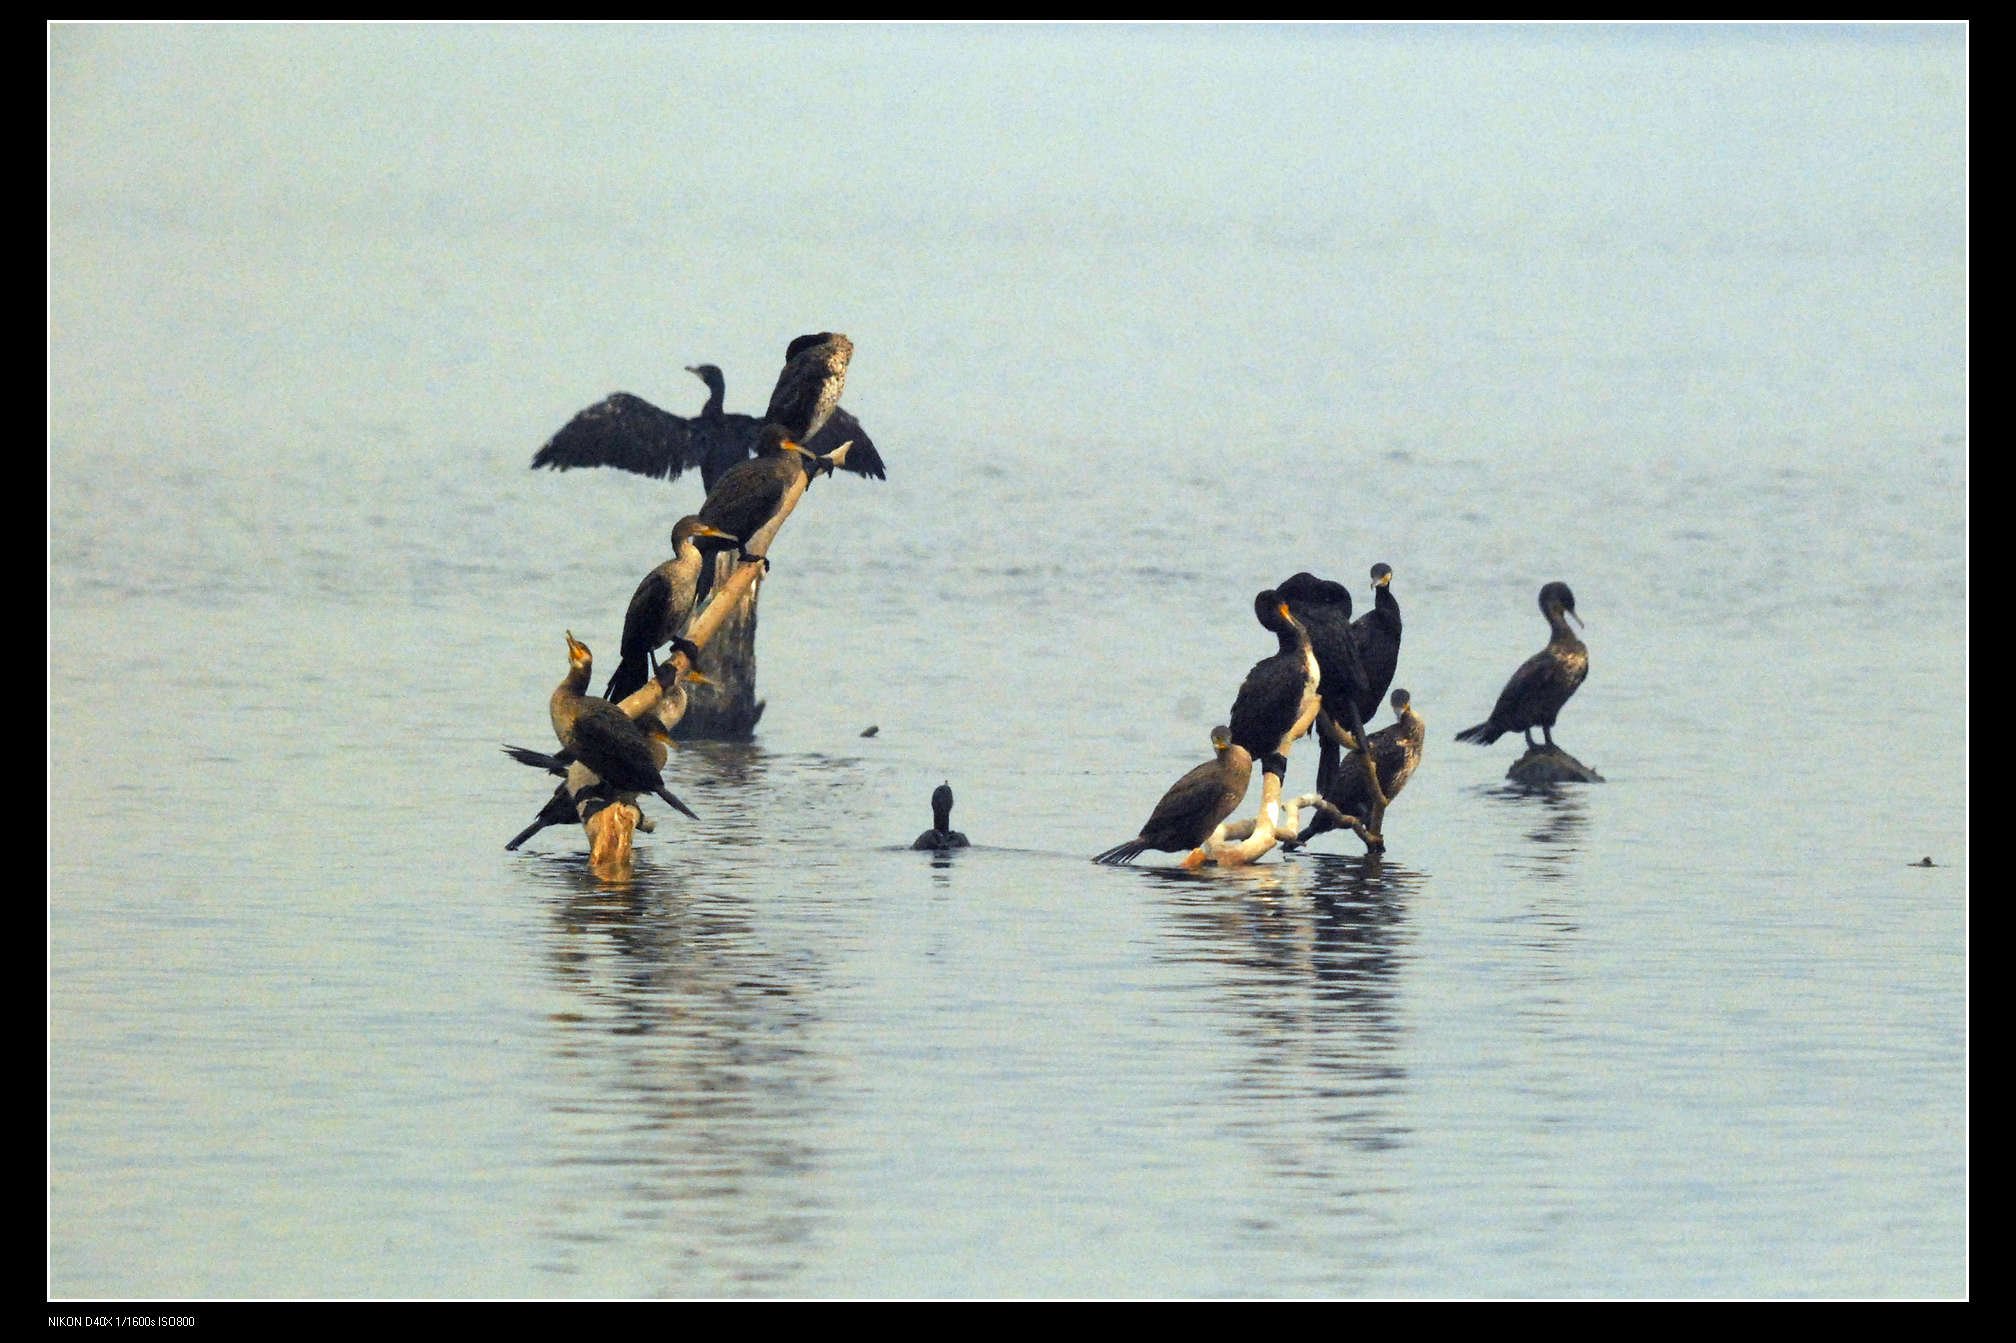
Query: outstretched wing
(626,432)
(862,457)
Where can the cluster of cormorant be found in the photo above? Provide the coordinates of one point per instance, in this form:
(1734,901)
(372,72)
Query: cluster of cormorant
(614,748)
(1328,675)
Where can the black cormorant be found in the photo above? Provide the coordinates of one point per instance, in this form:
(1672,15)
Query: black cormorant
(1194,805)
(1377,637)
(1396,750)
(663,606)
(1323,608)
(744,500)
(604,738)
(1279,698)
(941,835)
(1543,683)
(631,434)
(569,804)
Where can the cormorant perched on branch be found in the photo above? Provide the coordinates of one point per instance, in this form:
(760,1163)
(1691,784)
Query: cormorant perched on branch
(631,434)
(1194,805)
(1278,699)
(1376,634)
(1396,750)
(604,738)
(1543,683)
(663,606)
(1324,609)
(567,804)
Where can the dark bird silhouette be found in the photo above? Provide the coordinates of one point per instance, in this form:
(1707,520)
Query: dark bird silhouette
(1376,635)
(743,501)
(1194,805)
(1279,698)
(663,606)
(602,737)
(941,835)
(1323,608)
(578,797)
(1396,751)
(1543,683)
(630,434)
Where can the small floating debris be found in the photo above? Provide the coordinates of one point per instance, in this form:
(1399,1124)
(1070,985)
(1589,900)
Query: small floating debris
(871,729)
(1926,861)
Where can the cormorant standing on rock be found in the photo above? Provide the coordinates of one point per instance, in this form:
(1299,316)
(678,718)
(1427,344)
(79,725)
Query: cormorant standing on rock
(1543,683)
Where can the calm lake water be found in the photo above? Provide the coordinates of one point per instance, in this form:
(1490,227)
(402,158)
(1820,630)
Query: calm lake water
(1145,320)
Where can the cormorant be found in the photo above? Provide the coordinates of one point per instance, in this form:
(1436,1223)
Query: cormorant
(1543,683)
(631,434)
(941,835)
(604,738)
(662,607)
(1396,750)
(1324,609)
(567,804)
(1194,805)
(1279,699)
(1377,637)
(743,501)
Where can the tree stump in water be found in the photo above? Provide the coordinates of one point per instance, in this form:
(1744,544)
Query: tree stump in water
(725,708)
(1542,765)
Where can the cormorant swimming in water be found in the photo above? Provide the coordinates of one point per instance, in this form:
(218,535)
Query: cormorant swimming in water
(1324,609)
(1543,683)
(662,607)
(1396,750)
(1194,805)
(1278,700)
(941,835)
(604,738)
(631,434)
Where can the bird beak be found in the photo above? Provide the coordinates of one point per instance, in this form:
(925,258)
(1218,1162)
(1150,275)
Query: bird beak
(1571,612)
(697,678)
(575,648)
(1286,614)
(1385,580)
(707,530)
